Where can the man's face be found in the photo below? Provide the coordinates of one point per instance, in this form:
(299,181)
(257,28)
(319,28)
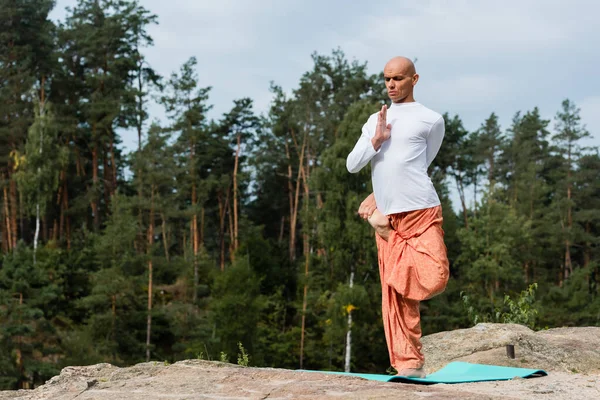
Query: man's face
(399,81)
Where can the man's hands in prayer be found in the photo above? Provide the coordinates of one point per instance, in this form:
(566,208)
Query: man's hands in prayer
(382,131)
(367,207)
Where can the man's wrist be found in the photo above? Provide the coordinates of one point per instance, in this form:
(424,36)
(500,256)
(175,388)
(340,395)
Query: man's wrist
(377,141)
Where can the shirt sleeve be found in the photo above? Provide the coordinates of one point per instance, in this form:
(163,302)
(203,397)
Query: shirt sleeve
(434,140)
(363,151)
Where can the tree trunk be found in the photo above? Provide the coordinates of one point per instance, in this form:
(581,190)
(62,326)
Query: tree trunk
(568,263)
(221,232)
(475,198)
(164,236)
(139,121)
(461,193)
(491,173)
(59,202)
(223,209)
(194,239)
(4,239)
(531,193)
(139,246)
(150,243)
(37,206)
(185,250)
(349,332)
(107,179)
(290,195)
(201,241)
(95,187)
(235,195)
(113,164)
(54,235)
(22,218)
(294,205)
(306,242)
(37,231)
(13,212)
(78,166)
(281,229)
(231,237)
(7,218)
(66,218)
(194,222)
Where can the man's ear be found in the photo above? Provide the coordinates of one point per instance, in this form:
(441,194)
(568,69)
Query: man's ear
(415,79)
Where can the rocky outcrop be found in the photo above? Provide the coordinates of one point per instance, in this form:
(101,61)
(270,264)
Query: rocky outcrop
(197,379)
(571,355)
(559,349)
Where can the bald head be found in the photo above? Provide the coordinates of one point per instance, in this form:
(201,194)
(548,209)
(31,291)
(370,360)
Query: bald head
(401,64)
(400,78)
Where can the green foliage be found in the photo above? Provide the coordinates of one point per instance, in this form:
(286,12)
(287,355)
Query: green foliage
(223,357)
(31,314)
(38,169)
(243,357)
(236,306)
(493,249)
(521,311)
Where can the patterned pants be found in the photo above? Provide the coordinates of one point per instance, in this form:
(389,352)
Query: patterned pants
(413,267)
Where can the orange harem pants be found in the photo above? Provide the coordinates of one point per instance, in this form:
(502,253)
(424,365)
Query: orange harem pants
(413,266)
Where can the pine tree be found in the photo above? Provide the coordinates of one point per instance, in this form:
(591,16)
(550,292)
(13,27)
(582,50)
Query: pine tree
(569,133)
(526,167)
(100,43)
(240,125)
(156,168)
(186,106)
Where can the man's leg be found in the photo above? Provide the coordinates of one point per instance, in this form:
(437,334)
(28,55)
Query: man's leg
(409,276)
(409,358)
(401,323)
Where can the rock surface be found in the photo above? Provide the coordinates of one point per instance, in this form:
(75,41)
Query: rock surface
(559,349)
(570,355)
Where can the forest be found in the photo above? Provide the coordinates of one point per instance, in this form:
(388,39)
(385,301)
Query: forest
(241,232)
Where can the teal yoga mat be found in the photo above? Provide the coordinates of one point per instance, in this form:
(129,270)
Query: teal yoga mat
(457,372)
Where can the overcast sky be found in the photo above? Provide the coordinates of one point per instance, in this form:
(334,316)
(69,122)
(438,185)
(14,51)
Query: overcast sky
(474,57)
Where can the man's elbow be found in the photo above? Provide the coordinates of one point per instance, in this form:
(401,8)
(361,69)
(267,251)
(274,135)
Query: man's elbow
(352,167)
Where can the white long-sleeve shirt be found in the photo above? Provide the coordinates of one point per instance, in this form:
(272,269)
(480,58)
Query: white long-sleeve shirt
(399,167)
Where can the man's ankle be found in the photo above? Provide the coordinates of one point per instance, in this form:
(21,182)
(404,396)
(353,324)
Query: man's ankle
(412,372)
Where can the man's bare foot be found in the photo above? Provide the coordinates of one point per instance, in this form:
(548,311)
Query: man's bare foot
(412,373)
(381,224)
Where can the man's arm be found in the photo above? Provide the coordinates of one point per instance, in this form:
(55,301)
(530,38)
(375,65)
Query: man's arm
(367,145)
(361,154)
(434,140)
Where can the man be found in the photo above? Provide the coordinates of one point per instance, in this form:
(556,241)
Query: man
(401,141)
